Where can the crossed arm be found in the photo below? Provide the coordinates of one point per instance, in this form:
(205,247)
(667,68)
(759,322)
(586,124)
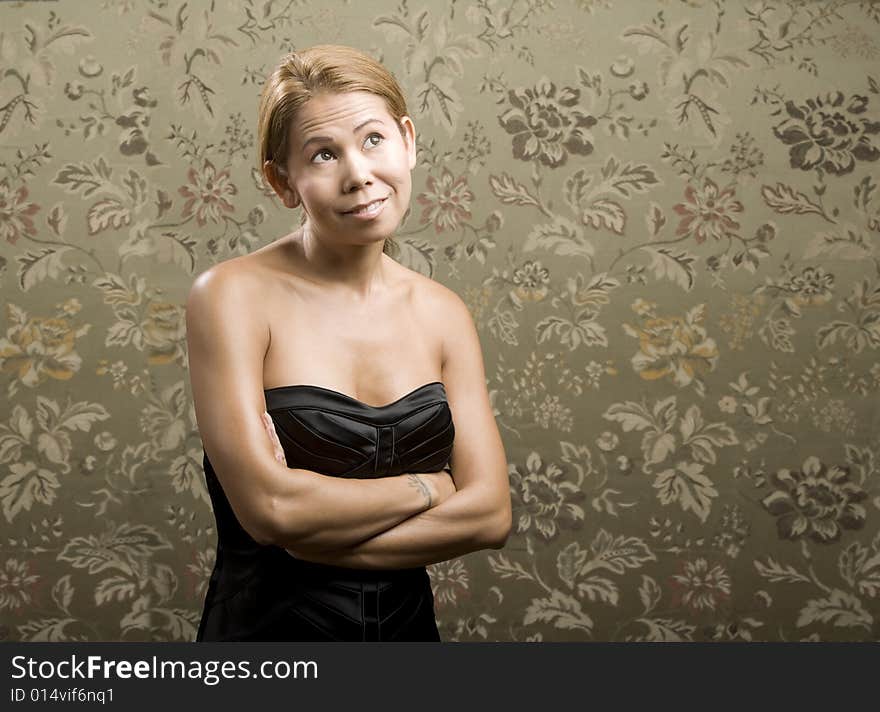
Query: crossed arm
(466,521)
(478,514)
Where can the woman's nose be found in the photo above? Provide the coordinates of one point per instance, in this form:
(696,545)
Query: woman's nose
(357,173)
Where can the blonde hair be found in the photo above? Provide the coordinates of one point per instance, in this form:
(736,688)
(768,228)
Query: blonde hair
(302,74)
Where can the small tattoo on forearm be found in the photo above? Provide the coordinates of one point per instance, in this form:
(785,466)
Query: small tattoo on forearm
(416,481)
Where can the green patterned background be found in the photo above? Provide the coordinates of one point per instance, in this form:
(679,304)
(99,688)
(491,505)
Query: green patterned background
(663,216)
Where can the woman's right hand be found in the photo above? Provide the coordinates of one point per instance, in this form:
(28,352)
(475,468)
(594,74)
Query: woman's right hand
(277,450)
(441,485)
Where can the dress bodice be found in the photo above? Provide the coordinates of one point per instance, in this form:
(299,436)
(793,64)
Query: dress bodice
(337,435)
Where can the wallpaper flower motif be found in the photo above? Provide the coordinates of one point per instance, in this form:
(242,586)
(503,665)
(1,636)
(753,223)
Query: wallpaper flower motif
(547,126)
(821,135)
(815,500)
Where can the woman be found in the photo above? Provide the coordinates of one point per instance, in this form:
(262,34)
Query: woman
(332,385)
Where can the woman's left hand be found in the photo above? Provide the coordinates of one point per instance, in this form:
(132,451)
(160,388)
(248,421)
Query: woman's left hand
(278,451)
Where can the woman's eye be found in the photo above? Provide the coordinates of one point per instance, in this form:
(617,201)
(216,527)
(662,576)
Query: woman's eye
(320,153)
(327,150)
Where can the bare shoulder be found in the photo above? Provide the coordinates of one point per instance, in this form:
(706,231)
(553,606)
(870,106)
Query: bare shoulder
(223,304)
(237,275)
(433,296)
(438,304)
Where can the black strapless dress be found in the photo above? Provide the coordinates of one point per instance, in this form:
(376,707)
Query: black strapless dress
(261,592)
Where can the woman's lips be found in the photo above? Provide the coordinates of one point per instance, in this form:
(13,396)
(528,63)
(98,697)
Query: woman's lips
(371,212)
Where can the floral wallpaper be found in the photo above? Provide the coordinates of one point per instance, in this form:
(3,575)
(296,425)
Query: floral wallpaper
(664,217)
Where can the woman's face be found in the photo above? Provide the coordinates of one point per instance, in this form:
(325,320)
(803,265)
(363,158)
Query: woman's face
(345,150)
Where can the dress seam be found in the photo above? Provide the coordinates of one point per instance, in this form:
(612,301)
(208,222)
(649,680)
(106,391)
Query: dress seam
(428,457)
(363,615)
(349,416)
(308,428)
(321,603)
(391,462)
(378,447)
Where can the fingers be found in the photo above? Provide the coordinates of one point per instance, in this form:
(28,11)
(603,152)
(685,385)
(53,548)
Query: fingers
(278,451)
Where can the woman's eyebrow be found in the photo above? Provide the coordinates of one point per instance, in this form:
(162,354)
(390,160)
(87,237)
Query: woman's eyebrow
(357,128)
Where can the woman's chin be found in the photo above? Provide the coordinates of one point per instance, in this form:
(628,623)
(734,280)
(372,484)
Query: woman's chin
(344,234)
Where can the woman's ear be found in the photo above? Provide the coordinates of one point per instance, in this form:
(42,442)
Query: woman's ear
(277,178)
(409,137)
